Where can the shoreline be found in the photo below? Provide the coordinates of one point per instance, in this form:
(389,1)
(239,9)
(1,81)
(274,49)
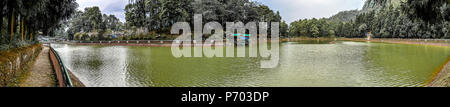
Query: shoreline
(75,80)
(162,43)
(442,76)
(427,42)
(59,74)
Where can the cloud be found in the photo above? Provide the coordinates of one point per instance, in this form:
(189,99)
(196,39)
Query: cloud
(292,10)
(114,7)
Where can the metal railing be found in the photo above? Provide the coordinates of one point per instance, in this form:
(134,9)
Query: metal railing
(66,81)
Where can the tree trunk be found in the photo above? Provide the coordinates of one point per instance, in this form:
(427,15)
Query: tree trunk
(31,35)
(1,18)
(21,28)
(2,5)
(11,25)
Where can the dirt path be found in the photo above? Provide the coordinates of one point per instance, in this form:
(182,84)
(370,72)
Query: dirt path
(41,73)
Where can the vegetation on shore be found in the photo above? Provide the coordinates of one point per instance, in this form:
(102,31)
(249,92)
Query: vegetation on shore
(153,19)
(15,63)
(21,21)
(384,19)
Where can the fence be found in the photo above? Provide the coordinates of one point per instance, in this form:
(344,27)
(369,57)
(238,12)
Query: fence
(62,73)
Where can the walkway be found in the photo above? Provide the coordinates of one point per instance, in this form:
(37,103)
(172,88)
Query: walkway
(41,73)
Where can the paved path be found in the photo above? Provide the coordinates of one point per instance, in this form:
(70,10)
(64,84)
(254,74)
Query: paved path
(41,73)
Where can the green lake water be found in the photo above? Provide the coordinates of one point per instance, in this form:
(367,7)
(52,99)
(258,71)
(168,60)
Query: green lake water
(301,64)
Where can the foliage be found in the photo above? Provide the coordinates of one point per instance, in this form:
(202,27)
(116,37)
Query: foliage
(385,19)
(160,15)
(25,18)
(311,28)
(94,22)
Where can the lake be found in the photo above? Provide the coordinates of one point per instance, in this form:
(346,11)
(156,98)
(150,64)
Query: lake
(302,64)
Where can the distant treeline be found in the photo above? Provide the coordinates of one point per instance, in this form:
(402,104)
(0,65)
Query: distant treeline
(160,15)
(410,19)
(21,20)
(153,19)
(91,24)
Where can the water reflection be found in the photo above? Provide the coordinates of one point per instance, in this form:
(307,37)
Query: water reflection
(97,66)
(342,63)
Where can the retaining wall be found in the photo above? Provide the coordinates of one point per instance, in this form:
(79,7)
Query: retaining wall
(15,63)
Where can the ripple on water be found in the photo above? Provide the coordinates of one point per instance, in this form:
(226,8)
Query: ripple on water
(340,64)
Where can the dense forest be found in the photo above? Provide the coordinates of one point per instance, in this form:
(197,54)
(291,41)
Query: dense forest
(92,24)
(21,20)
(383,19)
(158,16)
(152,19)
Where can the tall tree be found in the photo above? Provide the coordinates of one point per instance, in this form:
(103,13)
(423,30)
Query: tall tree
(284,29)
(94,16)
(432,11)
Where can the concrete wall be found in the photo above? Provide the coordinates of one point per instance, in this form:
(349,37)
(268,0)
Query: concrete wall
(14,64)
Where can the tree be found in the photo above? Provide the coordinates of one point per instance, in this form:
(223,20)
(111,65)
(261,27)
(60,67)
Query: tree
(331,33)
(130,15)
(153,9)
(94,18)
(362,29)
(315,31)
(170,13)
(284,29)
(2,13)
(89,21)
(28,16)
(431,11)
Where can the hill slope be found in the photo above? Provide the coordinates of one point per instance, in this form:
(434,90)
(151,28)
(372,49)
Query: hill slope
(369,5)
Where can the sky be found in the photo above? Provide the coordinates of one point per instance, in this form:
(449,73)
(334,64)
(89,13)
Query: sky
(290,10)
(114,7)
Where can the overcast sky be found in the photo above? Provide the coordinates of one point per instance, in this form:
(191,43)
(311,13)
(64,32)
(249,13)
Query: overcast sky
(115,7)
(290,10)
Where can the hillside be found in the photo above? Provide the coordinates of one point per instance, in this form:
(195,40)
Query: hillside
(344,16)
(369,5)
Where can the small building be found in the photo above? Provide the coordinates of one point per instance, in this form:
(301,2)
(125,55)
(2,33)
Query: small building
(245,37)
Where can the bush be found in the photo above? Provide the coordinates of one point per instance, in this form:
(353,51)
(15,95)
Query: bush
(77,36)
(4,47)
(85,36)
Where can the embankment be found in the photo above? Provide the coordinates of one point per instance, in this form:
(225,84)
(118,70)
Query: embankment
(430,42)
(442,79)
(60,71)
(14,64)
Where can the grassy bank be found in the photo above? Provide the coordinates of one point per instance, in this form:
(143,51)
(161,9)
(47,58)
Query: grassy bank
(15,63)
